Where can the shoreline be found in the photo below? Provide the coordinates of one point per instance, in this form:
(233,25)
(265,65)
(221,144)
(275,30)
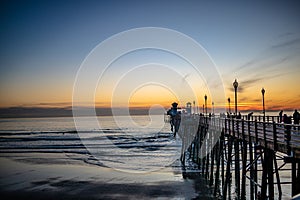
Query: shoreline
(26,180)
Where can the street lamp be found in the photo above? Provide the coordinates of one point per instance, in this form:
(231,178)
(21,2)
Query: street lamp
(205,98)
(235,85)
(263,101)
(229,104)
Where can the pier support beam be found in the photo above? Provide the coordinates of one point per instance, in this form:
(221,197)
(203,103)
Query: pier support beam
(228,174)
(295,177)
(244,154)
(267,176)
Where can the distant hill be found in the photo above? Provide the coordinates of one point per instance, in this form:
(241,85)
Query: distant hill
(14,112)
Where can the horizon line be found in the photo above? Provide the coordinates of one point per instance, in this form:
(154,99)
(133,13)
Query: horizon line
(241,108)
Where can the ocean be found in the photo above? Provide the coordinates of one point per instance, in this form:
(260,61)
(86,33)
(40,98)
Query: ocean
(38,154)
(123,146)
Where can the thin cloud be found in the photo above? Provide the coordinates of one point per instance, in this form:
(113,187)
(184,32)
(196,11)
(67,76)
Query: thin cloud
(256,100)
(241,89)
(247,83)
(247,64)
(286,44)
(251,82)
(46,104)
(275,52)
(248,99)
(244,99)
(284,35)
(56,104)
(243,85)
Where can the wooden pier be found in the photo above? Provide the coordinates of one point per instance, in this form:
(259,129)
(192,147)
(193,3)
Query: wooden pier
(252,150)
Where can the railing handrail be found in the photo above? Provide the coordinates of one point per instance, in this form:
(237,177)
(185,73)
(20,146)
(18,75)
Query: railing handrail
(265,132)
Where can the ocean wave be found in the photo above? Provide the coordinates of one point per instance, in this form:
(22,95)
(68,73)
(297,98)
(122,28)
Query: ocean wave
(105,141)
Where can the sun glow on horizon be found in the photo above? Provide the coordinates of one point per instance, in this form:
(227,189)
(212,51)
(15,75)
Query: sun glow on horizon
(152,95)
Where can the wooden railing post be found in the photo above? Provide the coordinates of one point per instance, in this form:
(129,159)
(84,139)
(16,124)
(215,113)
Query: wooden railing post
(251,163)
(265,134)
(244,154)
(256,132)
(255,156)
(275,136)
(287,131)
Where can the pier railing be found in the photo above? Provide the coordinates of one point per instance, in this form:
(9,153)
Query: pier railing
(214,141)
(280,137)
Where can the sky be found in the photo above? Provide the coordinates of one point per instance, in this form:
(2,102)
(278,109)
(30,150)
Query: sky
(44,43)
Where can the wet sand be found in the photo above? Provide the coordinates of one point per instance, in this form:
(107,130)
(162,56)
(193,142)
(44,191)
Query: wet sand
(27,178)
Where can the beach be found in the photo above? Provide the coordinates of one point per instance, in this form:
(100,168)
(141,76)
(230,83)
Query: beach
(28,180)
(37,163)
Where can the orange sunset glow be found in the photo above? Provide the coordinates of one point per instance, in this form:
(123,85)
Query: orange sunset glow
(278,97)
(43,74)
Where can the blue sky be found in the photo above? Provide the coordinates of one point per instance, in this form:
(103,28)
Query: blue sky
(44,42)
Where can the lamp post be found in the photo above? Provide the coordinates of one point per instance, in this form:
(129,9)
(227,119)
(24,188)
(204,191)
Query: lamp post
(263,101)
(229,105)
(203,109)
(205,98)
(236,144)
(213,107)
(235,85)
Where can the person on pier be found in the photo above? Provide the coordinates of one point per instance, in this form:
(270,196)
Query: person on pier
(177,120)
(296,117)
(228,115)
(175,116)
(287,119)
(239,116)
(280,116)
(249,116)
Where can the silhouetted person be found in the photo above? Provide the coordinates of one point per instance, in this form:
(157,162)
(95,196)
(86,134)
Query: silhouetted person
(228,115)
(249,115)
(280,116)
(173,112)
(177,120)
(239,116)
(296,117)
(287,119)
